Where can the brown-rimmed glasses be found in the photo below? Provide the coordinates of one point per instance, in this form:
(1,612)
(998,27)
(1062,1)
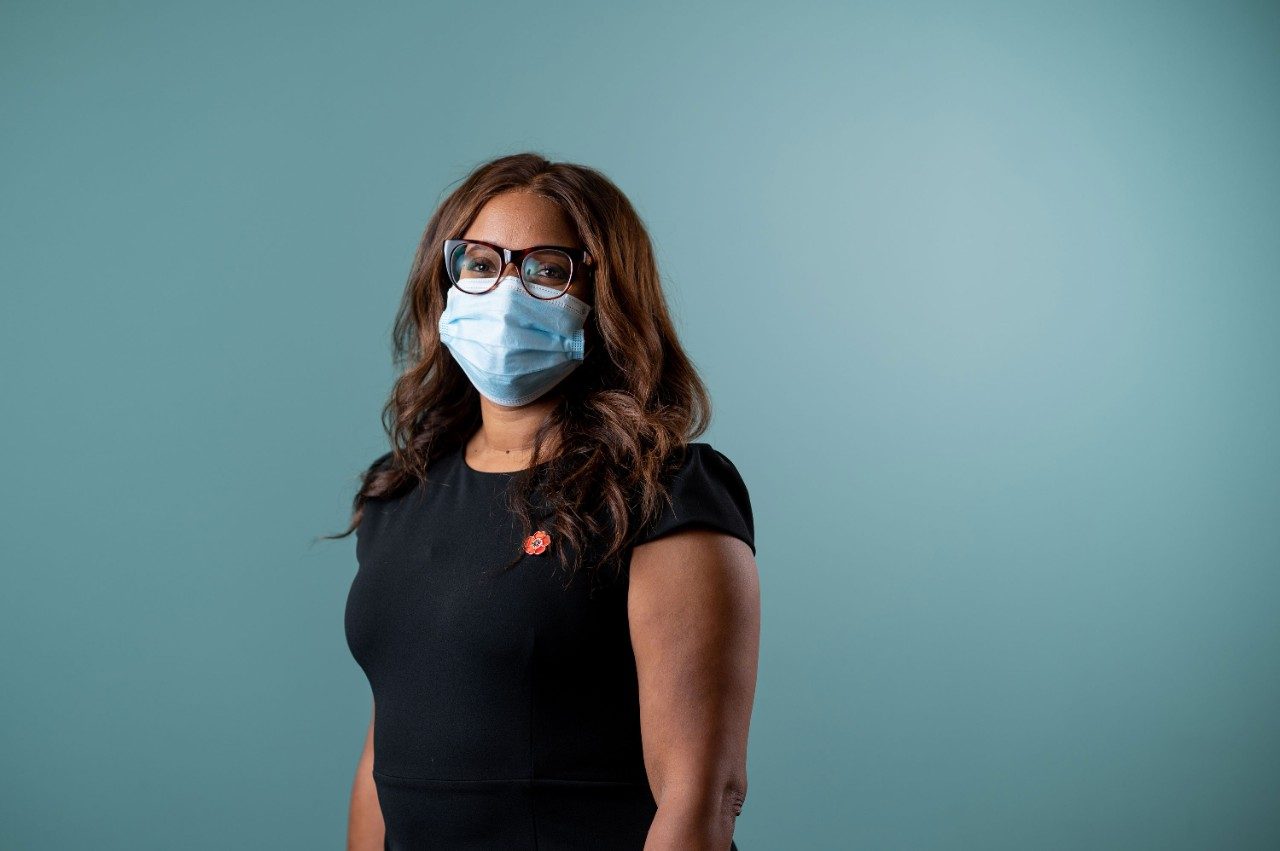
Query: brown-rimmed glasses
(475,266)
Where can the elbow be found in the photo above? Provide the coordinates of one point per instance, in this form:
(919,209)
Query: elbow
(709,800)
(697,816)
(735,795)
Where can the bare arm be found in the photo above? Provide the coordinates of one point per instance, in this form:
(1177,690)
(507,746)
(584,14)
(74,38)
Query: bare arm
(364,823)
(694,614)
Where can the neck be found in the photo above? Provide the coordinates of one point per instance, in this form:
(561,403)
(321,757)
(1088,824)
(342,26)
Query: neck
(509,431)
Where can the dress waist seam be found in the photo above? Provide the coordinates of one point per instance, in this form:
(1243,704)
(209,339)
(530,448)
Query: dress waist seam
(531,780)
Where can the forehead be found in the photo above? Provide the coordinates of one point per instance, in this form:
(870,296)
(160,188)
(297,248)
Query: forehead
(519,219)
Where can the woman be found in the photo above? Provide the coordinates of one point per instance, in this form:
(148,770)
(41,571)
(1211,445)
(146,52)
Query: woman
(557,602)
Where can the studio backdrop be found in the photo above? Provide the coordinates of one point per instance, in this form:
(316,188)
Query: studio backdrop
(985,295)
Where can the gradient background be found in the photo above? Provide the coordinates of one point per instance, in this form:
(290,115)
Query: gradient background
(986,295)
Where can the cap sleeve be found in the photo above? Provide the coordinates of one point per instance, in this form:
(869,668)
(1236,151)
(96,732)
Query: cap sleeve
(381,462)
(707,491)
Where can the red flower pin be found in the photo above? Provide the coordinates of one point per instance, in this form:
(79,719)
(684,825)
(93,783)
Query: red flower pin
(537,543)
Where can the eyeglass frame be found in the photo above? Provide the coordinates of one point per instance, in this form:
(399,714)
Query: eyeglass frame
(516,255)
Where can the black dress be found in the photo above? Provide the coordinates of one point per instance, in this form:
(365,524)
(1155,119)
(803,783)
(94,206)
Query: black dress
(506,706)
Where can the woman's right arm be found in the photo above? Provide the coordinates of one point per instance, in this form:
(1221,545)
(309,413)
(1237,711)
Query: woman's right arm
(364,824)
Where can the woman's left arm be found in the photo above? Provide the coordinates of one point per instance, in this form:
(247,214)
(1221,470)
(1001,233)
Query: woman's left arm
(694,613)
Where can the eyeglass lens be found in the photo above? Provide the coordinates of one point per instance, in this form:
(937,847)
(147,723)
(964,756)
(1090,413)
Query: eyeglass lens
(475,268)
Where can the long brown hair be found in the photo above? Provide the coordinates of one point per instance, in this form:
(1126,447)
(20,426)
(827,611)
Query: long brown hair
(623,416)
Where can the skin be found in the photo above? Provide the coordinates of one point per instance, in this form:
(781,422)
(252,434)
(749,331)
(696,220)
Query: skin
(365,828)
(693,605)
(693,611)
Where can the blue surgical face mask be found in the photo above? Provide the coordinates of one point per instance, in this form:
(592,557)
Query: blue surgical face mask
(512,346)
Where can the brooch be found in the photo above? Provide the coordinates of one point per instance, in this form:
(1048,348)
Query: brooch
(537,543)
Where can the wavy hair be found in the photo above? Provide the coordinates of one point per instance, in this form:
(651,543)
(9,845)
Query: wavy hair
(622,417)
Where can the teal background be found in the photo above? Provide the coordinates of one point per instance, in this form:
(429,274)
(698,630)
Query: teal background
(986,295)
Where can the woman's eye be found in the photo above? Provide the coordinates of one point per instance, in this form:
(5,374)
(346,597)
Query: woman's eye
(550,272)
